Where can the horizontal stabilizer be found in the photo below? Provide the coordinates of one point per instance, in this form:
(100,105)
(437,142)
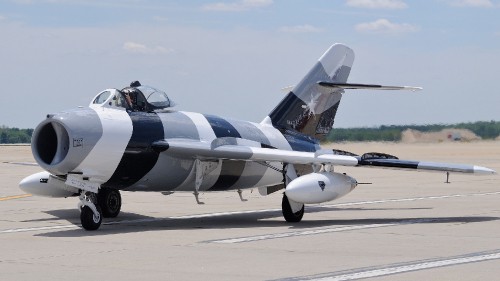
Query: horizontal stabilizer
(351,86)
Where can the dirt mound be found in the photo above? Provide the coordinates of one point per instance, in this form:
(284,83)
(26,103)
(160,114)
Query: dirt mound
(411,136)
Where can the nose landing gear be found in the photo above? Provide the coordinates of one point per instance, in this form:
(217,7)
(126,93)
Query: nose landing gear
(91,214)
(94,206)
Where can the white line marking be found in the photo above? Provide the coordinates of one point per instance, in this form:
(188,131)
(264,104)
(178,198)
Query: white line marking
(411,199)
(316,231)
(22,163)
(15,230)
(377,272)
(211,215)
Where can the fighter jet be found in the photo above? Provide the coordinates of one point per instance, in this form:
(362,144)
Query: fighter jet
(134,139)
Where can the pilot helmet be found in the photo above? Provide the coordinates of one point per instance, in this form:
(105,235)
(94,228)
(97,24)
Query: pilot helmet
(135,84)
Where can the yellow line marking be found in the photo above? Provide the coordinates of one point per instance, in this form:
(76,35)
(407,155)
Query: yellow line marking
(14,197)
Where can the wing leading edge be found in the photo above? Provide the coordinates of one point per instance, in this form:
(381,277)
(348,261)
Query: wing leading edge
(246,150)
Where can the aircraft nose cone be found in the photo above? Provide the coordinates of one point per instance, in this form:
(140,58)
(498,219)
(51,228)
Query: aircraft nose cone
(61,142)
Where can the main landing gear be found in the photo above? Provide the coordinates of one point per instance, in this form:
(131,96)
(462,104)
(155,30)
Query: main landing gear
(292,211)
(107,203)
(110,202)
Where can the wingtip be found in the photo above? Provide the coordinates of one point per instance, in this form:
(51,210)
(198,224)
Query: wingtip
(413,89)
(484,171)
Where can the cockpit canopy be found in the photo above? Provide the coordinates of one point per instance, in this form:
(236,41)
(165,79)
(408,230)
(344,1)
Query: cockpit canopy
(140,98)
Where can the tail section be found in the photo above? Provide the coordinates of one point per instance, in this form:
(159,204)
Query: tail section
(310,108)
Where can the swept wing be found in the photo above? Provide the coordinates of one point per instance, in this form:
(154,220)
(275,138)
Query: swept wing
(246,150)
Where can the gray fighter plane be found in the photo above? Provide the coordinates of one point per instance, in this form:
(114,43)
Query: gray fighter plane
(134,140)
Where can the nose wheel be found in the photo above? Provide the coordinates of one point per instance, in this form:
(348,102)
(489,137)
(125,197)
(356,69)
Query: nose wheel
(91,214)
(94,206)
(89,219)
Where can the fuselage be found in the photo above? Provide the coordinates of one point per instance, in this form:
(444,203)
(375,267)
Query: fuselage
(112,146)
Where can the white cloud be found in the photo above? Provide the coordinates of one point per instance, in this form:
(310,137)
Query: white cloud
(242,5)
(385,26)
(472,3)
(377,4)
(138,48)
(23,2)
(2,18)
(306,28)
(142,4)
(160,19)
(29,2)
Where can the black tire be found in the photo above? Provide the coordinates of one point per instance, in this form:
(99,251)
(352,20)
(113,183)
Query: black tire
(288,214)
(110,202)
(89,221)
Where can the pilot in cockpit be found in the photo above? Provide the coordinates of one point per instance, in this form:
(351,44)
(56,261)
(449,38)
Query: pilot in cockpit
(134,98)
(128,99)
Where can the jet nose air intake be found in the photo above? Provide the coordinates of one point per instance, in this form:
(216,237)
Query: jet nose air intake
(61,142)
(51,143)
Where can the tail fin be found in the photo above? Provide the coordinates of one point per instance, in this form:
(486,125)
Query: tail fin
(310,108)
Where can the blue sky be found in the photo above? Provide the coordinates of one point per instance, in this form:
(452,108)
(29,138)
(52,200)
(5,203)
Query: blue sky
(231,58)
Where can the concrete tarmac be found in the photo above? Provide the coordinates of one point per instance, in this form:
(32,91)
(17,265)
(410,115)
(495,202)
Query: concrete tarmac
(406,225)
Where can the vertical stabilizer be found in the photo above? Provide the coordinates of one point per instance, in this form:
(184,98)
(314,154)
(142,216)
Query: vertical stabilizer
(310,108)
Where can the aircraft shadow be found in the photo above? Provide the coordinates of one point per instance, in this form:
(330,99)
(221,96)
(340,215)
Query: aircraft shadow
(132,222)
(70,215)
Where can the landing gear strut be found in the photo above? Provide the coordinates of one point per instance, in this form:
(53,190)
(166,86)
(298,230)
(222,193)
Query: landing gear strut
(107,203)
(91,214)
(288,210)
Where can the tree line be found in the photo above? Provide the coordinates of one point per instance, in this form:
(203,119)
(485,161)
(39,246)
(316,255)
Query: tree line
(484,129)
(15,135)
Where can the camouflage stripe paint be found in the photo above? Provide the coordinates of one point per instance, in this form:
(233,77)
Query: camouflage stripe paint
(107,153)
(229,174)
(178,125)
(253,172)
(138,159)
(310,108)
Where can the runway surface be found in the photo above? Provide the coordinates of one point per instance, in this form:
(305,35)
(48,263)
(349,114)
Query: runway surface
(404,226)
